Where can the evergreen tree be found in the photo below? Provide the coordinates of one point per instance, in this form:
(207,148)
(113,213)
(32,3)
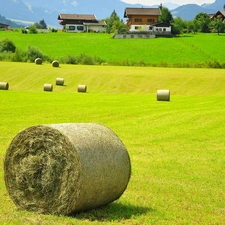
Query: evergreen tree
(109,21)
(166,15)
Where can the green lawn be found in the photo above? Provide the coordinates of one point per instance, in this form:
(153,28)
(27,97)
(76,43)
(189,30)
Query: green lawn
(187,50)
(176,148)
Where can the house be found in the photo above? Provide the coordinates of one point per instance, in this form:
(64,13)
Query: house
(161,29)
(146,20)
(4,26)
(140,19)
(219,14)
(81,23)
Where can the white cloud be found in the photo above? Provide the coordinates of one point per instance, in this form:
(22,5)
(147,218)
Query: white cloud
(74,3)
(158,2)
(28,6)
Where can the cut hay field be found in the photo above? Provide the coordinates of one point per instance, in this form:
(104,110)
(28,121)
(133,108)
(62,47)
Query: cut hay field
(177,148)
(185,51)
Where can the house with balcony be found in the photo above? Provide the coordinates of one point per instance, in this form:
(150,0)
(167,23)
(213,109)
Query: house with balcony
(81,23)
(146,20)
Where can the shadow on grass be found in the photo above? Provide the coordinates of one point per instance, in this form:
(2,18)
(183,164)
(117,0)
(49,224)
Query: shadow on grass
(113,211)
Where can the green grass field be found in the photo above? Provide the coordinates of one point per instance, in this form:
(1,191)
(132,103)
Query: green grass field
(176,148)
(185,51)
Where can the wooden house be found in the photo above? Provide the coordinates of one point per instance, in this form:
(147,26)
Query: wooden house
(4,26)
(141,18)
(220,14)
(81,23)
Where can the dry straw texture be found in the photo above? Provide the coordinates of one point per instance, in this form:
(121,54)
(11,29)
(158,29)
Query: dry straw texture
(163,95)
(55,63)
(59,81)
(48,87)
(66,168)
(82,88)
(4,86)
(38,61)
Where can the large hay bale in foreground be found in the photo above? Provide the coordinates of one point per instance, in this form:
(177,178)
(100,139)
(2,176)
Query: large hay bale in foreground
(38,61)
(48,87)
(66,168)
(4,85)
(60,81)
(82,88)
(163,95)
(55,63)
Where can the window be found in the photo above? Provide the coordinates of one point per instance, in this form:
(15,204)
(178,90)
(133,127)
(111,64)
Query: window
(136,28)
(151,20)
(137,20)
(71,27)
(164,29)
(80,28)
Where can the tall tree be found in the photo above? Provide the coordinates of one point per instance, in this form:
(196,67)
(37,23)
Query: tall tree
(166,15)
(202,21)
(43,24)
(109,21)
(218,25)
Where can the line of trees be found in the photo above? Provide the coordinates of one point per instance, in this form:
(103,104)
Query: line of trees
(201,23)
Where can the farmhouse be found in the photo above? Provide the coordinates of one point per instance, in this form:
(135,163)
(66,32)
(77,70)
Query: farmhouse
(146,19)
(4,26)
(81,23)
(219,14)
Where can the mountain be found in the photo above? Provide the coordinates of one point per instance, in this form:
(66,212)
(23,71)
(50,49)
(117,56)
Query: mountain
(36,10)
(189,11)
(9,22)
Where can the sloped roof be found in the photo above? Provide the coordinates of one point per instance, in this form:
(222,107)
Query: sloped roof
(142,12)
(222,12)
(99,23)
(76,17)
(161,24)
(3,24)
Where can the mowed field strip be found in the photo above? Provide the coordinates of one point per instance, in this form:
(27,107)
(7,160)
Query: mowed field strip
(176,147)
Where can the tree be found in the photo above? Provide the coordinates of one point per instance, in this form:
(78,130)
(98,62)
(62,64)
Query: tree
(178,25)
(119,27)
(110,21)
(40,25)
(7,46)
(166,15)
(32,29)
(43,24)
(201,22)
(217,24)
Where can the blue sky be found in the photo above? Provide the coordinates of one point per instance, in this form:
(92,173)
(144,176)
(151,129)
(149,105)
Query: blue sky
(157,2)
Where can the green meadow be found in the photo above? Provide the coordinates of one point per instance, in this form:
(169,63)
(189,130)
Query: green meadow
(176,147)
(190,50)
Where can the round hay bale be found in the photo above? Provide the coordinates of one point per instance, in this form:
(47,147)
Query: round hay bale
(38,61)
(82,88)
(66,168)
(4,86)
(55,63)
(48,87)
(163,95)
(60,81)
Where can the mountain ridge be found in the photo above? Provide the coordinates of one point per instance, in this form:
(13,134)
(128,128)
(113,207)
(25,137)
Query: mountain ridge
(34,11)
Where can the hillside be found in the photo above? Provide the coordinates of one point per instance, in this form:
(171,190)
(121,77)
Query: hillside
(118,80)
(192,50)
